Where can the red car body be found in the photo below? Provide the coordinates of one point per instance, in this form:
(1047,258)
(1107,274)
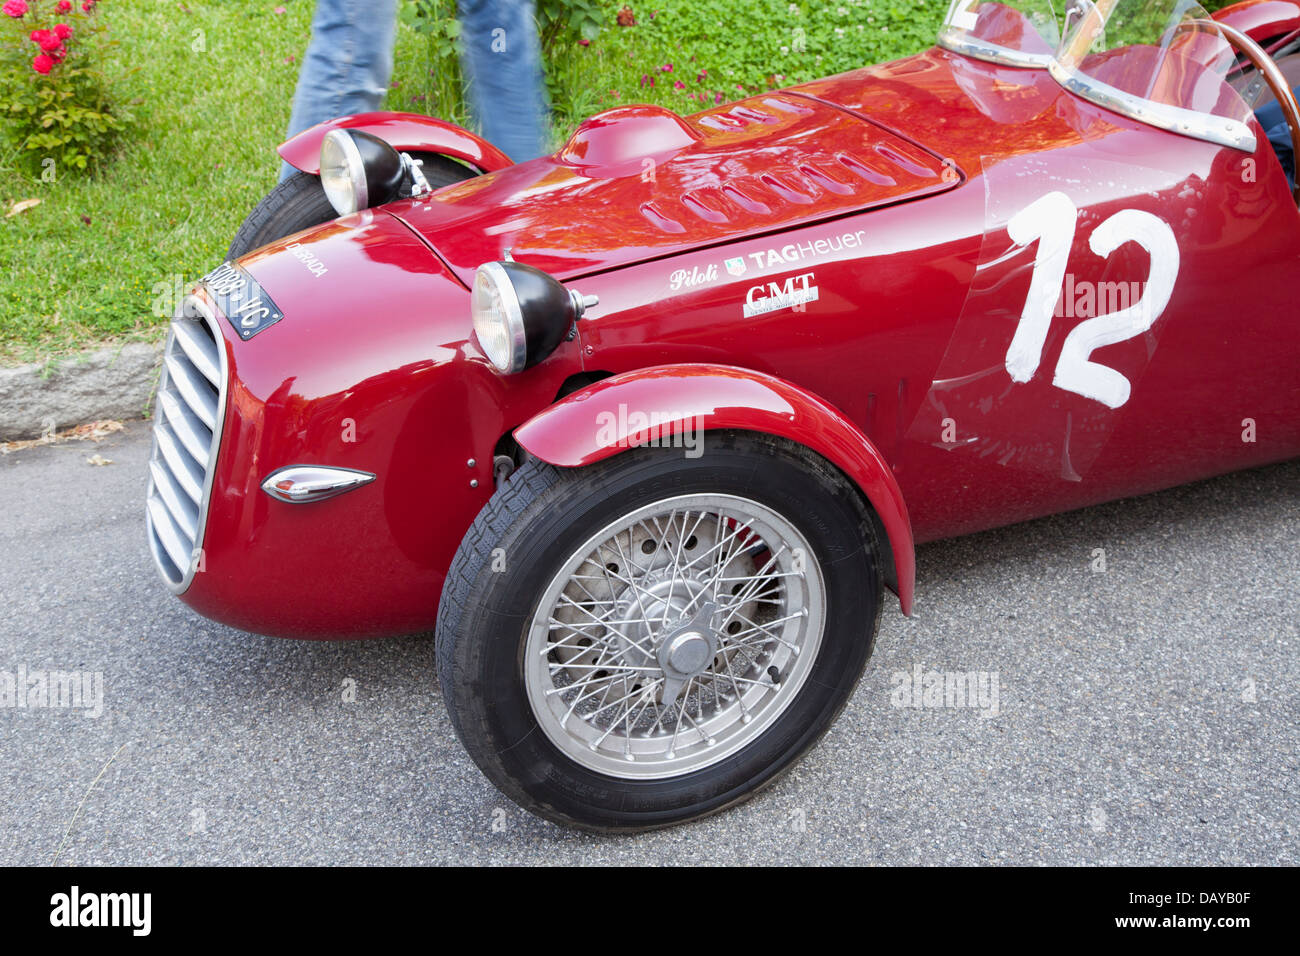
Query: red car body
(877,202)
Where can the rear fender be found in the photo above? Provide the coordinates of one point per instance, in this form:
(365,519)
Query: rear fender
(407,132)
(595,423)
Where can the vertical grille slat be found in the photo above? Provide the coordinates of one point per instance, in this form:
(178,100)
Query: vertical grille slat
(188,417)
(195,438)
(184,511)
(181,465)
(194,388)
(173,539)
(200,348)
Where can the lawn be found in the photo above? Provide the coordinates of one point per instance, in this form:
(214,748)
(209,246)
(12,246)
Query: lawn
(97,259)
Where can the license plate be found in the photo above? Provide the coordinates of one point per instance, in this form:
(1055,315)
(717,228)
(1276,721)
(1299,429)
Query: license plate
(241,299)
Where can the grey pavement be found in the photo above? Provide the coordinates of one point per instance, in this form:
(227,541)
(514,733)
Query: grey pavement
(1146,713)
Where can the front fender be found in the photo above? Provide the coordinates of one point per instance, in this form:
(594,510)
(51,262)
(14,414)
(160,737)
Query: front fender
(569,433)
(404,131)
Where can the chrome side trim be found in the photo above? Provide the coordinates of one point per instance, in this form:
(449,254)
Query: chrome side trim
(1175,119)
(186,440)
(957,41)
(301,484)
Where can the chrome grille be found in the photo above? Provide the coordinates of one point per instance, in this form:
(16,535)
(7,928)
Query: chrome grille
(187,415)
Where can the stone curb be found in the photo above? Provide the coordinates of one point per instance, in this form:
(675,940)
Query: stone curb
(113,383)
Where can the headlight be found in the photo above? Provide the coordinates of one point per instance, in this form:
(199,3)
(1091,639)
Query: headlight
(521,314)
(359,170)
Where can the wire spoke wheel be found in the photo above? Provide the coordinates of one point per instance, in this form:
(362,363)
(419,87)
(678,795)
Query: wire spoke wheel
(674,636)
(651,638)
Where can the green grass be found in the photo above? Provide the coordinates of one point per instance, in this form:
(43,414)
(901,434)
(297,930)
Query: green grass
(199,156)
(200,153)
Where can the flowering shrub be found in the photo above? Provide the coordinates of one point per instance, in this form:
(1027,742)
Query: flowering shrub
(53,103)
(562,21)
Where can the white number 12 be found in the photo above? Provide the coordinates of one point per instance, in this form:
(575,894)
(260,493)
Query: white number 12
(1052,220)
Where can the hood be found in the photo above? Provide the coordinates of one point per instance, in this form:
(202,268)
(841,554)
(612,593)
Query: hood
(356,298)
(639,182)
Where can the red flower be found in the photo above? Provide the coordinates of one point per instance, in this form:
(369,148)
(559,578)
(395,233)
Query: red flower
(49,43)
(88,5)
(63,6)
(37,34)
(666,68)
(15,8)
(42,64)
(679,85)
(626,18)
(584,42)
(62,31)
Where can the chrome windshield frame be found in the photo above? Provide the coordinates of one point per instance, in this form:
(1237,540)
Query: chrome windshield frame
(1174,119)
(1220,130)
(957,41)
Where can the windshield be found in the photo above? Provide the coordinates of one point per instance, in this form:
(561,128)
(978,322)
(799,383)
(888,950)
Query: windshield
(1017,33)
(1158,61)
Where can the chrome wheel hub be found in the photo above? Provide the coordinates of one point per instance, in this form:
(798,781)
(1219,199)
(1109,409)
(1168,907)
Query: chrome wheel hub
(674,636)
(687,652)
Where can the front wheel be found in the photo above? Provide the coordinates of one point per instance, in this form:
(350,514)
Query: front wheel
(299,203)
(654,638)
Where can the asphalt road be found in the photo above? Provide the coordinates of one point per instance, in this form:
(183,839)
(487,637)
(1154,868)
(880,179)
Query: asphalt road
(1146,713)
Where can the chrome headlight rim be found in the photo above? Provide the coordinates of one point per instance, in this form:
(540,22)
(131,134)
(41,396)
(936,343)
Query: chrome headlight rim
(510,317)
(354,170)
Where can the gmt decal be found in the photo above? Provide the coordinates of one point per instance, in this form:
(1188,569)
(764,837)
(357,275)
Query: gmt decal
(795,293)
(242,300)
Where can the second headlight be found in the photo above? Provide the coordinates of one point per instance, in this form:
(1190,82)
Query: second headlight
(521,314)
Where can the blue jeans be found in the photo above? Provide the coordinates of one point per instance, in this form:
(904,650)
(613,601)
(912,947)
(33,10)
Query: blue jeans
(349,64)
(502,60)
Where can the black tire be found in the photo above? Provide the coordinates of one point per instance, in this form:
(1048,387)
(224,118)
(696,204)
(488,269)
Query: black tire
(539,517)
(299,203)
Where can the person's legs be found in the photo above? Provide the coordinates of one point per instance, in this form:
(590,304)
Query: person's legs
(348,63)
(503,75)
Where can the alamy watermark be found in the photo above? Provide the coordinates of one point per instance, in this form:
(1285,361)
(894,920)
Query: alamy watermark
(633,429)
(931,689)
(25,689)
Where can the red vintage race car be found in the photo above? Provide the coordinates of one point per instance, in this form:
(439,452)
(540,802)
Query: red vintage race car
(645,428)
